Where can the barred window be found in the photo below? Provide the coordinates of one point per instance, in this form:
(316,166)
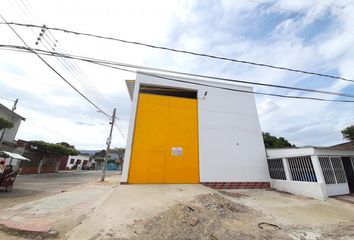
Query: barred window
(301,169)
(276,169)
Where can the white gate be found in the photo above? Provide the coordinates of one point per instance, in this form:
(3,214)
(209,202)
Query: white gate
(334,175)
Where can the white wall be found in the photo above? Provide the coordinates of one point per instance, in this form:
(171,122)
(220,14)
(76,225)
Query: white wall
(78,157)
(289,152)
(230,140)
(10,134)
(307,189)
(337,189)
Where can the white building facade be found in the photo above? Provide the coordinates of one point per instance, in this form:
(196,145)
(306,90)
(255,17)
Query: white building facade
(312,172)
(10,134)
(76,162)
(230,149)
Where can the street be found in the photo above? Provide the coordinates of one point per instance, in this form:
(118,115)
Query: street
(36,186)
(76,205)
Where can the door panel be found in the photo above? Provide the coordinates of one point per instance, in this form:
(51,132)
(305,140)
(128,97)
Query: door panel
(349,172)
(164,123)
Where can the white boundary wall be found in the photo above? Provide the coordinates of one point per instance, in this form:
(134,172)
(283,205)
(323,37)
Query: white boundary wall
(337,189)
(307,189)
(230,139)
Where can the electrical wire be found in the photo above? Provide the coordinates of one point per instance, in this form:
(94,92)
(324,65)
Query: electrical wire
(245,91)
(120,130)
(110,63)
(60,62)
(42,126)
(65,64)
(185,51)
(224,88)
(55,71)
(8,99)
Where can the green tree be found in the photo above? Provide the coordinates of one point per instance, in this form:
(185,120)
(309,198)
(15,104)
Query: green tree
(348,133)
(50,151)
(275,142)
(65,144)
(5,124)
(120,152)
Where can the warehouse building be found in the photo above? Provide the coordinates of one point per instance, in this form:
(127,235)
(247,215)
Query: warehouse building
(193,130)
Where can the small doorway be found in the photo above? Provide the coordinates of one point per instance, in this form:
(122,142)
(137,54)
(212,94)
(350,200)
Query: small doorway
(348,164)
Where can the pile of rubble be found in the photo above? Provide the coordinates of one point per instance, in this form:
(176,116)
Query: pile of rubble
(209,216)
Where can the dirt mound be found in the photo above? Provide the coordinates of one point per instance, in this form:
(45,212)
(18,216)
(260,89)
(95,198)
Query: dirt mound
(209,216)
(233,194)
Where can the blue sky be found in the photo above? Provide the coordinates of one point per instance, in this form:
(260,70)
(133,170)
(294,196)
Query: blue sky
(310,35)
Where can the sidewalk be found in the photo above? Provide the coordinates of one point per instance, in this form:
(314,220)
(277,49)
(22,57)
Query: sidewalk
(57,213)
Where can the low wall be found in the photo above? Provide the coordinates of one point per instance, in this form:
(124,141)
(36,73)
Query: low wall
(306,189)
(337,189)
(34,170)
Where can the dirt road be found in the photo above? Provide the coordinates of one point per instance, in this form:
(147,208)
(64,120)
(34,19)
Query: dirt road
(37,186)
(185,211)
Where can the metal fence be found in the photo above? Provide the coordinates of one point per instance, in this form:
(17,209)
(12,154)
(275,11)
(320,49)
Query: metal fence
(301,169)
(327,170)
(276,169)
(333,169)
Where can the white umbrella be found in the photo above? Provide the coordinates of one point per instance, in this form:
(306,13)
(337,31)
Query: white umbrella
(11,155)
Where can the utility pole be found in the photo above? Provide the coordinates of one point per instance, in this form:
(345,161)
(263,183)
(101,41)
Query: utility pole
(4,130)
(109,140)
(15,104)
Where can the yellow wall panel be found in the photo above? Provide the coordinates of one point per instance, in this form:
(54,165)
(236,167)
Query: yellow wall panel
(163,123)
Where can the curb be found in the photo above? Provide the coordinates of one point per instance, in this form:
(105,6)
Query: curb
(84,217)
(27,232)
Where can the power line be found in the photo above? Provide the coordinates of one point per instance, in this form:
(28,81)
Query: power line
(61,76)
(120,130)
(41,126)
(213,86)
(225,79)
(186,52)
(245,91)
(109,63)
(229,89)
(8,99)
(63,63)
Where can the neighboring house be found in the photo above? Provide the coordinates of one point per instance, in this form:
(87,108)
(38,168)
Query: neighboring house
(312,171)
(187,130)
(344,146)
(76,162)
(114,161)
(13,117)
(98,159)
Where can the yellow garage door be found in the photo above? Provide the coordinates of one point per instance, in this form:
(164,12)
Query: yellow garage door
(165,143)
